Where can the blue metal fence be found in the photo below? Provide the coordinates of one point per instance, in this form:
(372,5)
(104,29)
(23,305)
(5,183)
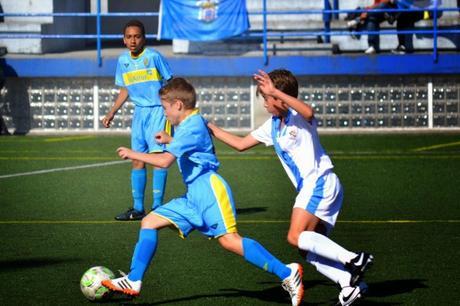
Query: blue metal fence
(328,14)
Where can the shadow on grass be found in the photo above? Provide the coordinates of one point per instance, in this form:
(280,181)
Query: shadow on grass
(250,210)
(273,294)
(28,263)
(394,287)
(390,288)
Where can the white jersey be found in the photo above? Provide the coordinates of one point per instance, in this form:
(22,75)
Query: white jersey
(297,146)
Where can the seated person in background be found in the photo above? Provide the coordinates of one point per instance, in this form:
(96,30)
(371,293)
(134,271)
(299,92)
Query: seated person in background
(371,21)
(404,21)
(357,20)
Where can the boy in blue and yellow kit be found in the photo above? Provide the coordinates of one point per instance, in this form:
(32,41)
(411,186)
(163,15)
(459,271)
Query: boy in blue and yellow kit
(207,205)
(140,74)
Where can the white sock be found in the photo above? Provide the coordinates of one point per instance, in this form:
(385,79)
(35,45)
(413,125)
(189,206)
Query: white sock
(331,269)
(324,247)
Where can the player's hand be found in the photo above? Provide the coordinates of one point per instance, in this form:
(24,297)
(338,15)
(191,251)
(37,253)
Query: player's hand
(124,153)
(162,137)
(264,83)
(107,120)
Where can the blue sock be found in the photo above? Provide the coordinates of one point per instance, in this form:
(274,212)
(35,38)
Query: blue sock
(145,248)
(256,254)
(159,184)
(138,181)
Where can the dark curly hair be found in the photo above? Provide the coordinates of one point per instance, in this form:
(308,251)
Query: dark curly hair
(135,23)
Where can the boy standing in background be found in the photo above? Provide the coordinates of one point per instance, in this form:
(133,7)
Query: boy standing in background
(140,74)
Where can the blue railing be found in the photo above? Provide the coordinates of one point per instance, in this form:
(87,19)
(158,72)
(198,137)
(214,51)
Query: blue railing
(328,14)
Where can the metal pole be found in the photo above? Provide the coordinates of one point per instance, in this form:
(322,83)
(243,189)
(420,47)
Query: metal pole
(435,32)
(430,104)
(96,105)
(264,11)
(327,21)
(98,30)
(336,7)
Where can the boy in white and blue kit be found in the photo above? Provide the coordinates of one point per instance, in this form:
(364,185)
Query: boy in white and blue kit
(292,131)
(140,74)
(207,205)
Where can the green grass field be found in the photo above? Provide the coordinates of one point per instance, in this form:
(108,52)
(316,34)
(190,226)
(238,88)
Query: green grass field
(59,195)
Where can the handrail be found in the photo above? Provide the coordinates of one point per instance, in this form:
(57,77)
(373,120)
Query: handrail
(98,29)
(328,13)
(264,11)
(435,34)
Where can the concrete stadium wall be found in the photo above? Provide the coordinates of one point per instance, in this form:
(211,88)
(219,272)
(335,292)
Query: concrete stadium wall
(341,103)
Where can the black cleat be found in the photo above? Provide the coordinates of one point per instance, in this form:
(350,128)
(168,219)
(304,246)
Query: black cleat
(357,266)
(349,295)
(130,215)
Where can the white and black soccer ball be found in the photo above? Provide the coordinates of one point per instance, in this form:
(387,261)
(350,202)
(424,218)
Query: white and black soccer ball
(90,283)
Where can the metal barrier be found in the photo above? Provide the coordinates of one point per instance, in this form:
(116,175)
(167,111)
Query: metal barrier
(327,13)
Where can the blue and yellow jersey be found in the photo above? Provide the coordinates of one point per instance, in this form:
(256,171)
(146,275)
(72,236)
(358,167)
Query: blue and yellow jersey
(142,76)
(193,148)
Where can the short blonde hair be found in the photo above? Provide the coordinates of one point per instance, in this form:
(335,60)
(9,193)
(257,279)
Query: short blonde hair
(179,89)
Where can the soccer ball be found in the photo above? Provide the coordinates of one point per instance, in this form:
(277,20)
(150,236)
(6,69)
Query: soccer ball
(90,283)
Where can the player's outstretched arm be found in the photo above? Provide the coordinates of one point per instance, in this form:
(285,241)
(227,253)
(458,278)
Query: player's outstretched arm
(237,142)
(160,160)
(119,101)
(267,88)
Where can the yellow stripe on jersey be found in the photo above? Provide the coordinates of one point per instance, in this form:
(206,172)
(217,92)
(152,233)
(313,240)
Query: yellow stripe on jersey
(140,76)
(220,192)
(168,127)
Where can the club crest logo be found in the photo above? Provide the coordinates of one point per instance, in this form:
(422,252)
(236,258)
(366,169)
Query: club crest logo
(207,10)
(126,65)
(146,62)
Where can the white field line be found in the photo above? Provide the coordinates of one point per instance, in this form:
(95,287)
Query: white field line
(64,169)
(442,145)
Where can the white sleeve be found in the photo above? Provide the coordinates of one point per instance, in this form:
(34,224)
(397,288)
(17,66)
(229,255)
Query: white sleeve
(264,133)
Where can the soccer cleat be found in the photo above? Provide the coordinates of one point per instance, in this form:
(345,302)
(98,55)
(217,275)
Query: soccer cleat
(123,285)
(357,266)
(293,284)
(349,295)
(130,215)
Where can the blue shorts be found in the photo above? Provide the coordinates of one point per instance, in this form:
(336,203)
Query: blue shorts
(147,121)
(207,206)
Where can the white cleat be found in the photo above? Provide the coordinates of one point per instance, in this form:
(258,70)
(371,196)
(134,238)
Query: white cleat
(293,284)
(123,285)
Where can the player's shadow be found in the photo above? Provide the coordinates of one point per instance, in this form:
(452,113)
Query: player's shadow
(395,287)
(390,288)
(250,210)
(28,263)
(272,294)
